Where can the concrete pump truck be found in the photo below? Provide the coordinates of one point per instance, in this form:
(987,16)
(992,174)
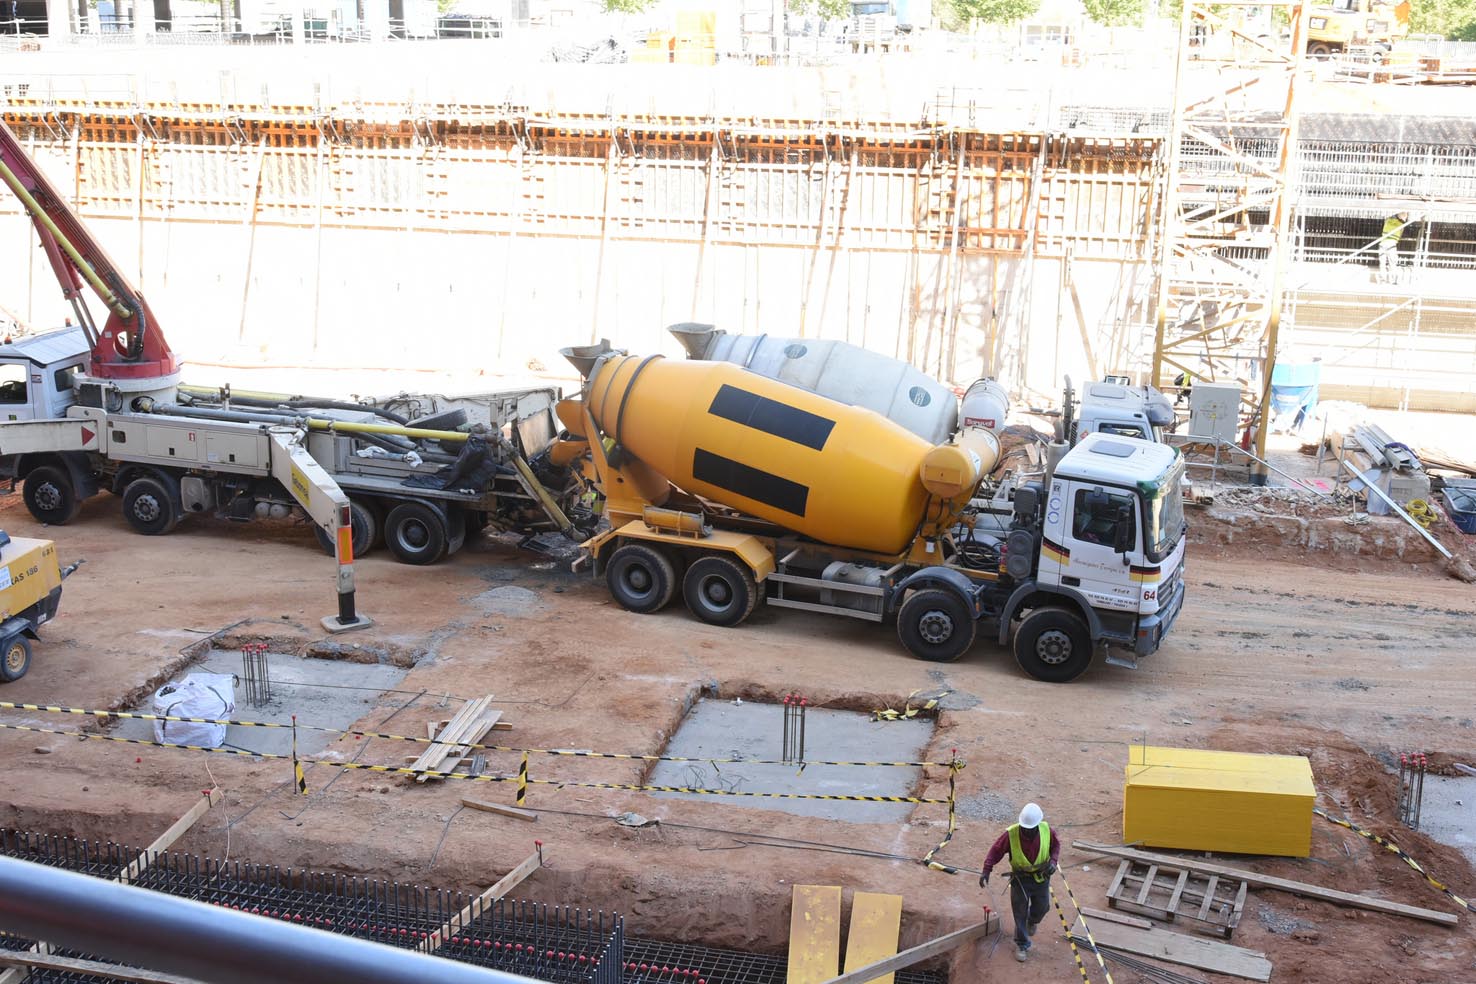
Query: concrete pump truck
(738,490)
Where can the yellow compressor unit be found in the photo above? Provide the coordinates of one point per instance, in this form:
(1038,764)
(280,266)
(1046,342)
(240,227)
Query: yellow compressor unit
(30,593)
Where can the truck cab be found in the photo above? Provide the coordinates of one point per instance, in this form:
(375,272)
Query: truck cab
(1333,27)
(38,373)
(1112,542)
(1113,407)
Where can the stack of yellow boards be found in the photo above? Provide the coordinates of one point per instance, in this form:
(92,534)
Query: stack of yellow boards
(1231,802)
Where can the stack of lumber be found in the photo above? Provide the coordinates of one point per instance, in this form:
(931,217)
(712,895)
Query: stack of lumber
(470,725)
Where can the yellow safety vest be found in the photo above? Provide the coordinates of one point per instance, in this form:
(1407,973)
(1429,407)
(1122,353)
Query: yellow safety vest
(1042,859)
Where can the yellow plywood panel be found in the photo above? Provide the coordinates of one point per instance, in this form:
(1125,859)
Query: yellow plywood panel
(696,22)
(814,934)
(1201,800)
(876,921)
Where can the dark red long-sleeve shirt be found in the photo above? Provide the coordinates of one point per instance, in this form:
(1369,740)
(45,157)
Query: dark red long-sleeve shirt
(1029,845)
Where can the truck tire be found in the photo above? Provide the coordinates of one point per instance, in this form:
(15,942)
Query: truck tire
(641,578)
(15,658)
(50,495)
(1321,49)
(1053,644)
(151,506)
(365,524)
(416,534)
(720,591)
(936,625)
(455,529)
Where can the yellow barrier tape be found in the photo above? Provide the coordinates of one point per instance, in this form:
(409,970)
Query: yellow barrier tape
(1091,940)
(567,753)
(1394,848)
(406,771)
(954,768)
(1070,940)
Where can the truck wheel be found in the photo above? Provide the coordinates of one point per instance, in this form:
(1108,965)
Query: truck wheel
(936,625)
(415,534)
(1053,645)
(720,591)
(1321,49)
(455,530)
(50,495)
(15,659)
(150,506)
(362,521)
(640,578)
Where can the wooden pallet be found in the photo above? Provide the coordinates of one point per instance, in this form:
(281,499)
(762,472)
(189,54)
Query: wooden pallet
(1210,904)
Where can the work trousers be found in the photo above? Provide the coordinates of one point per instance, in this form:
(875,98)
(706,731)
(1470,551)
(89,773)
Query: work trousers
(1388,260)
(1030,900)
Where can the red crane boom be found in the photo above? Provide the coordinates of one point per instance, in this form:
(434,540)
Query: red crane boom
(129,348)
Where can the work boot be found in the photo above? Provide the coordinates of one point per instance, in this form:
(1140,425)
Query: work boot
(1021,953)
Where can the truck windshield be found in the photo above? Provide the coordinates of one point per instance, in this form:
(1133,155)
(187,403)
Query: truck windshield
(1165,514)
(862,9)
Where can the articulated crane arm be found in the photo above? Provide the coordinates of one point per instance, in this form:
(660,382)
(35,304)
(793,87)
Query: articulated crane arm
(129,346)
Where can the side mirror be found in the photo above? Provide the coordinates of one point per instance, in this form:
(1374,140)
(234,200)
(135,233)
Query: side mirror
(1124,541)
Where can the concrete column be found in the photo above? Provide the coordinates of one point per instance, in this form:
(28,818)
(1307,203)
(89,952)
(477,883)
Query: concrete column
(299,26)
(143,20)
(58,19)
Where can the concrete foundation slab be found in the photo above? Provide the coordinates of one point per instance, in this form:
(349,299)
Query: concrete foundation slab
(316,690)
(723,729)
(1448,812)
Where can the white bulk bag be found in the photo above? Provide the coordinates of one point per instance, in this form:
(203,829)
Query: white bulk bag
(199,695)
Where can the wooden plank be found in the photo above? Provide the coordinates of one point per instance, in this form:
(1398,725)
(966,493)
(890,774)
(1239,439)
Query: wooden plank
(92,968)
(506,811)
(175,832)
(1178,893)
(814,934)
(1209,896)
(876,923)
(431,759)
(479,904)
(917,954)
(1147,886)
(1122,870)
(1117,917)
(471,735)
(1255,880)
(1189,951)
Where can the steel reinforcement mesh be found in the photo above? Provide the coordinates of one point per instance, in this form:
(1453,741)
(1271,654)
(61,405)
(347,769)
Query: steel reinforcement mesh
(556,943)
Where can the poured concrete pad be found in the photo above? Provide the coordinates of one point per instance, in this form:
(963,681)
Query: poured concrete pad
(1448,812)
(321,692)
(721,729)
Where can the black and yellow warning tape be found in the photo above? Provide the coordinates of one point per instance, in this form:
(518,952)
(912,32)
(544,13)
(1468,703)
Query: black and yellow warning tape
(1091,940)
(471,746)
(930,859)
(1395,849)
(1070,940)
(522,778)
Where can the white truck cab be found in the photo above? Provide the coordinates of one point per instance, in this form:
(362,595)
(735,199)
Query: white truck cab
(1113,407)
(38,372)
(1112,537)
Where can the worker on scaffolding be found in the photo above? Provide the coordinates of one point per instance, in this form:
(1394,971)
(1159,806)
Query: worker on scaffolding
(1389,247)
(1034,854)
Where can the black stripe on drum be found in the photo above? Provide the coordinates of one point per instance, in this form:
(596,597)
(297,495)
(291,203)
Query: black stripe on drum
(771,417)
(749,482)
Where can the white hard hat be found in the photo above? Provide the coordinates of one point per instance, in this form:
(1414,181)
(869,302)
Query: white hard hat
(1031,816)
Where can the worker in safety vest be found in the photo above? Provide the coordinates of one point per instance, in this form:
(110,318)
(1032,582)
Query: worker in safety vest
(1389,238)
(1033,856)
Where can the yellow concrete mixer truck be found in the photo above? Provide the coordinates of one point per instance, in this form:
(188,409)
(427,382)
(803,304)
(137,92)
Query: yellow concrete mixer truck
(739,489)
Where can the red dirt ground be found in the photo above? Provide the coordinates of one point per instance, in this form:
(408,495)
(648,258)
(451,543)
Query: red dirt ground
(1347,667)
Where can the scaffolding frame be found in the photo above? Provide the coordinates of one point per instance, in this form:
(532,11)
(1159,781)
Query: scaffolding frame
(1227,209)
